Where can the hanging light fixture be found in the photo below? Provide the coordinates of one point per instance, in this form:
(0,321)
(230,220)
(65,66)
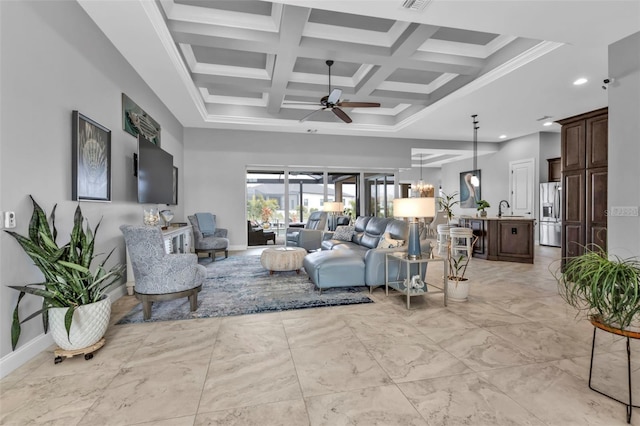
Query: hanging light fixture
(421,188)
(475,181)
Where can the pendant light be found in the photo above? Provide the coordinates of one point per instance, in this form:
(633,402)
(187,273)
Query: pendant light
(421,188)
(475,181)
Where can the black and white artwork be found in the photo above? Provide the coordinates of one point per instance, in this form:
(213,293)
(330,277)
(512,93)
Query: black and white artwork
(91,157)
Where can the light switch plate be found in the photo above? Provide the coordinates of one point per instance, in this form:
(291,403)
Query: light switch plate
(9,219)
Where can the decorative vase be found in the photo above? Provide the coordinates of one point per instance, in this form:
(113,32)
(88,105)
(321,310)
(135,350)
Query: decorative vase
(458,291)
(151,217)
(89,324)
(483,213)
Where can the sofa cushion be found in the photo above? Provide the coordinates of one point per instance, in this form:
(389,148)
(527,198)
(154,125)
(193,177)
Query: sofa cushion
(373,232)
(359,227)
(344,233)
(334,269)
(397,229)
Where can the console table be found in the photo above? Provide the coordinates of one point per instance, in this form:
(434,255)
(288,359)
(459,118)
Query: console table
(177,239)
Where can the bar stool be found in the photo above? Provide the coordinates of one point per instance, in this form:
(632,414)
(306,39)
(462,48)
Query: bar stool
(461,241)
(443,239)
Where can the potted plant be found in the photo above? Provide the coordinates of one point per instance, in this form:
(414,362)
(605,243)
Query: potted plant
(483,204)
(447,202)
(458,285)
(265,214)
(606,288)
(73,297)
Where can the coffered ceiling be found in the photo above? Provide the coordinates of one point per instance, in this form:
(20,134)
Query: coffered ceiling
(261,65)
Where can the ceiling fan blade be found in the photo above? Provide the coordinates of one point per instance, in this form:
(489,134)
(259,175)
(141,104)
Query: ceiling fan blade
(334,96)
(306,117)
(299,103)
(358,104)
(341,114)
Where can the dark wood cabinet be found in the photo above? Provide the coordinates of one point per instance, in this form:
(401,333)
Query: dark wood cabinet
(573,212)
(509,240)
(555,169)
(573,145)
(597,141)
(584,181)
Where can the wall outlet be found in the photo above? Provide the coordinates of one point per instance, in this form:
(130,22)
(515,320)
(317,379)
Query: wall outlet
(9,219)
(624,211)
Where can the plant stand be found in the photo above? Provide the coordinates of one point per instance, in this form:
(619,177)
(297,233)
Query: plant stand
(629,335)
(62,354)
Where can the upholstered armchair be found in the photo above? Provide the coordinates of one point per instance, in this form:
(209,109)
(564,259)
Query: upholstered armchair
(160,276)
(209,241)
(309,237)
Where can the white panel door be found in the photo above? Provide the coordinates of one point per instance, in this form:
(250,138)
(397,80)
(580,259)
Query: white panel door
(521,187)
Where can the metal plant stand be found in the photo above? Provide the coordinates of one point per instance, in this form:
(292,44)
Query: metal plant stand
(629,335)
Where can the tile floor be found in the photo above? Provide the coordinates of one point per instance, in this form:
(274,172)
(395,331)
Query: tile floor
(513,355)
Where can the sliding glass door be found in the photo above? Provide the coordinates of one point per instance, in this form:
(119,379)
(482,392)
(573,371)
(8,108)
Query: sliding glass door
(379,194)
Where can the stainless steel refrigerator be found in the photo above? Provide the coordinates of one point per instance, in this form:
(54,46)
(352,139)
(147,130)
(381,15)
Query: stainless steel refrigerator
(550,214)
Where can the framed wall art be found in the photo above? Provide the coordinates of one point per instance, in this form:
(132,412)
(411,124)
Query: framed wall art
(91,158)
(136,121)
(469,194)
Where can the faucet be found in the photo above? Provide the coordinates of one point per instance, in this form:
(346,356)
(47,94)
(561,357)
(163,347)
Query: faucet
(500,207)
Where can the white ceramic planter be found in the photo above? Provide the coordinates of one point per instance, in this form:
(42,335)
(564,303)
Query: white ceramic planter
(89,324)
(459,292)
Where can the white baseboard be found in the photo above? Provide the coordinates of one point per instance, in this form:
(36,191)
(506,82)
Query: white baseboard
(32,348)
(24,353)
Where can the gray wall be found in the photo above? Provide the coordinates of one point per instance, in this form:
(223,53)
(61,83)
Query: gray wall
(55,60)
(624,145)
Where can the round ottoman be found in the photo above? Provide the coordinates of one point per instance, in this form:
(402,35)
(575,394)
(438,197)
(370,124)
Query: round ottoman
(283,259)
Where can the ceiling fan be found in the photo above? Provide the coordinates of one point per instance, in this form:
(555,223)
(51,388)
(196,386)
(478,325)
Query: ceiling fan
(332,102)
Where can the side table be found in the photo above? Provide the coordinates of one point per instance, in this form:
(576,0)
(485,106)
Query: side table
(399,285)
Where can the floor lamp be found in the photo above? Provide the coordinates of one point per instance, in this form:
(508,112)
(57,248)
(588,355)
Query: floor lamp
(414,208)
(333,208)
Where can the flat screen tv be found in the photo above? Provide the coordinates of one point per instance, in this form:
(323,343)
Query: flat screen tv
(155,173)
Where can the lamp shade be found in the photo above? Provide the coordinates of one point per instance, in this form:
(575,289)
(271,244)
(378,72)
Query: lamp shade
(332,206)
(414,207)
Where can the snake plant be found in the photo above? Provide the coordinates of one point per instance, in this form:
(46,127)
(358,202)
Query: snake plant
(606,288)
(68,280)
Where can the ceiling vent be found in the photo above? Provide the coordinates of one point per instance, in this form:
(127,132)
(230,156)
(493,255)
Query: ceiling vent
(415,5)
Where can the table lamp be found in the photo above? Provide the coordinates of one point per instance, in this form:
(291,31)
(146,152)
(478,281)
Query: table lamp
(414,208)
(333,208)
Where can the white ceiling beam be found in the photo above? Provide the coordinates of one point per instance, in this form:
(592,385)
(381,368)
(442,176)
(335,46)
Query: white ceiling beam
(292,25)
(412,38)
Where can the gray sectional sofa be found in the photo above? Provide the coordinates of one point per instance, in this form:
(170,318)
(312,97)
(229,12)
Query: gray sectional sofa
(359,262)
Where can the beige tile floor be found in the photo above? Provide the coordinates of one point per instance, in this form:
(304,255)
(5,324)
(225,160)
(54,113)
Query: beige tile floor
(513,355)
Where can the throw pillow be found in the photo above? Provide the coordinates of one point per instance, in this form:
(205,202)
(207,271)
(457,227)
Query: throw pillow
(387,242)
(344,233)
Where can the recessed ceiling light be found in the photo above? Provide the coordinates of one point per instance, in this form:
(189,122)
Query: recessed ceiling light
(580,81)
(547,123)
(502,136)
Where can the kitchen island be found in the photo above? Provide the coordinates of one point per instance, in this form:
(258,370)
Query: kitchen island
(507,238)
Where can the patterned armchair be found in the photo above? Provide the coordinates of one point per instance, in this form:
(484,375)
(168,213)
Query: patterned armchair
(209,244)
(160,276)
(309,237)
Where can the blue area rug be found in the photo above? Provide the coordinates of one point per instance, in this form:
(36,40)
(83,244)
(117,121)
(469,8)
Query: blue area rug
(240,285)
